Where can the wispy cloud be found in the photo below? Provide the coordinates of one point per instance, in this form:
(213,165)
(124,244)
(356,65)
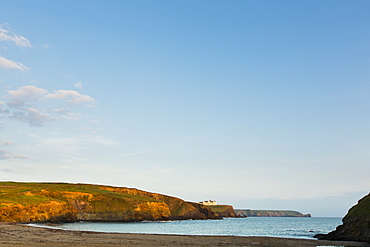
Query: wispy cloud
(26,105)
(25,95)
(5,155)
(5,143)
(8,64)
(78,84)
(2,110)
(61,111)
(71,148)
(7,34)
(70,96)
(33,117)
(72,116)
(15,170)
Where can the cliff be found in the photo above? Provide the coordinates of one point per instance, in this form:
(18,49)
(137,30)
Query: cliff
(223,211)
(356,224)
(62,202)
(269,213)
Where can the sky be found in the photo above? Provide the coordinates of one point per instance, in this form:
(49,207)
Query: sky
(255,104)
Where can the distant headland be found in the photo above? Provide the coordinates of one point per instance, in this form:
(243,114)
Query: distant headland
(269,213)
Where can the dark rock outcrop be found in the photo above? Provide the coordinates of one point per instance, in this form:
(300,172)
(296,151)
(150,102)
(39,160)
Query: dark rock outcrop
(356,224)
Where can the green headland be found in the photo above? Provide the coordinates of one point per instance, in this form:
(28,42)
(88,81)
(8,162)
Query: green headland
(63,202)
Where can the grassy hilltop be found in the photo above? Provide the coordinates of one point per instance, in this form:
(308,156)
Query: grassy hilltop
(63,202)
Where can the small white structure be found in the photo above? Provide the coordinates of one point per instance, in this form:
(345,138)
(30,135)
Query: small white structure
(209,203)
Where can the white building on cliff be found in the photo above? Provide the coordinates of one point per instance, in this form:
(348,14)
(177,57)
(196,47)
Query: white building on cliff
(209,203)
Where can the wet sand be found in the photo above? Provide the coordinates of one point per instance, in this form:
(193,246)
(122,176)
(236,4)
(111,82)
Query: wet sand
(22,235)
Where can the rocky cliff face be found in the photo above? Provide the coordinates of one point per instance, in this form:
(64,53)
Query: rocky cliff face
(40,202)
(52,211)
(226,211)
(356,224)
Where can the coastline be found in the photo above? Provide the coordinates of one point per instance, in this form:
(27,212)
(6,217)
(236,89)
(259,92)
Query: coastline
(23,235)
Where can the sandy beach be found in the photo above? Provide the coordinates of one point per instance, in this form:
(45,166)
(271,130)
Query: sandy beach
(22,235)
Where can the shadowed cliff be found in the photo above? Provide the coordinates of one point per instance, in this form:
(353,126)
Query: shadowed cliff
(356,224)
(62,202)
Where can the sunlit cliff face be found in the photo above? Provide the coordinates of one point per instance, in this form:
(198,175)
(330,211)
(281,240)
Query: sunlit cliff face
(28,202)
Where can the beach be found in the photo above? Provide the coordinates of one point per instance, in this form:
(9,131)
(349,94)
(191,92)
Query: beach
(23,235)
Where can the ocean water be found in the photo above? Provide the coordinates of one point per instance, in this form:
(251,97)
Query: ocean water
(285,227)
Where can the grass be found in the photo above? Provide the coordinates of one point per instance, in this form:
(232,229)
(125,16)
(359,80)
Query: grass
(361,210)
(33,193)
(219,208)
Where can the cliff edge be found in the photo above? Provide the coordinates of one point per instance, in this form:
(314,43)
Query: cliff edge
(356,224)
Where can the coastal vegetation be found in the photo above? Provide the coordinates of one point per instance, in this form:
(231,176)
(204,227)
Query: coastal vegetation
(223,210)
(63,202)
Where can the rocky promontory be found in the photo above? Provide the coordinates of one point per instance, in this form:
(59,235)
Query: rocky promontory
(63,202)
(224,211)
(356,224)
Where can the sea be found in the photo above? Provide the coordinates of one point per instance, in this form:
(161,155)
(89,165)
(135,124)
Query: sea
(284,227)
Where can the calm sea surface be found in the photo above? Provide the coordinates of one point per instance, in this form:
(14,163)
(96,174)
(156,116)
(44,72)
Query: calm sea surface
(286,227)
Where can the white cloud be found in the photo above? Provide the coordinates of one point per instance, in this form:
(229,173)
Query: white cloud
(70,96)
(8,64)
(24,96)
(27,104)
(78,84)
(27,93)
(7,34)
(61,111)
(72,116)
(33,117)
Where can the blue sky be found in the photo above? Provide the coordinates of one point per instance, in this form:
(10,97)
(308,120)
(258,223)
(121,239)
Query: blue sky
(257,104)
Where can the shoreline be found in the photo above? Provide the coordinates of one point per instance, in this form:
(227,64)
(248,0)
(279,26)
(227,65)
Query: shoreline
(24,235)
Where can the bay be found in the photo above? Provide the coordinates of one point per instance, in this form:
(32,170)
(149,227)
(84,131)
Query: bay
(285,227)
